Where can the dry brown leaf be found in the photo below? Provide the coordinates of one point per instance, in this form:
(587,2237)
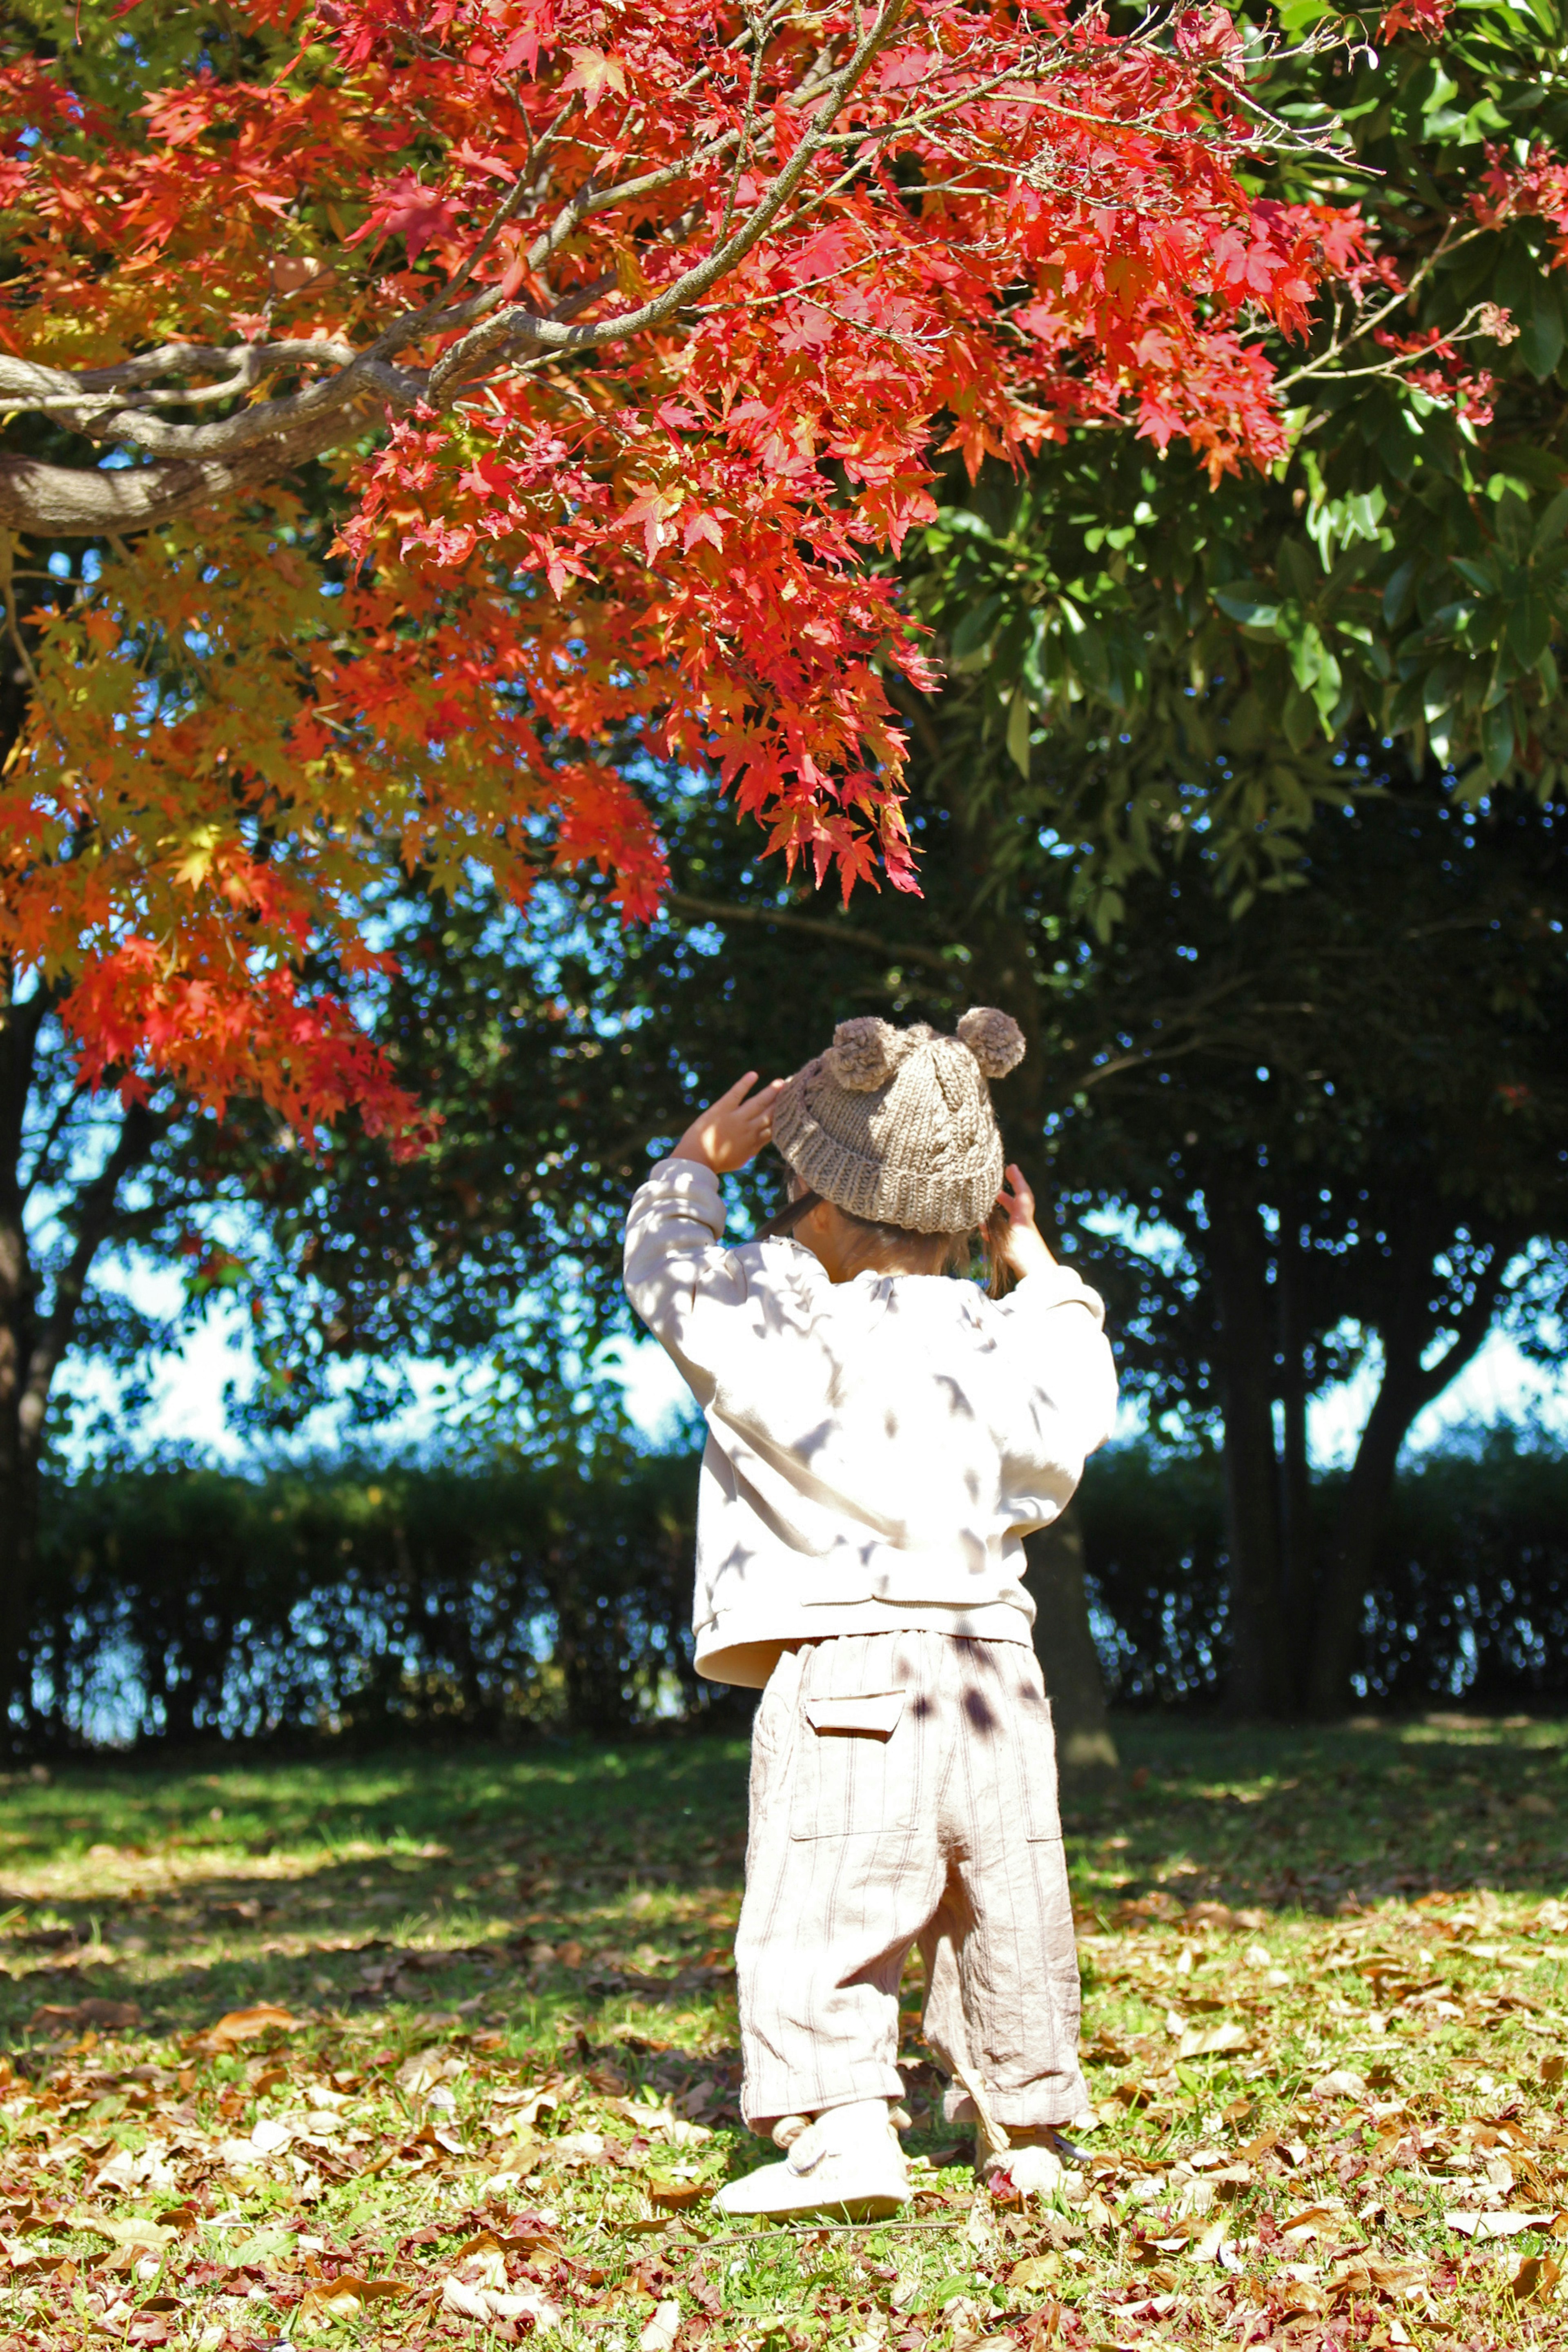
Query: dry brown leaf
(489,2304)
(1496,2225)
(1036,2270)
(662,2330)
(675,2196)
(345,2297)
(239,2025)
(73,2016)
(1365,2274)
(1212,2042)
(1311,2222)
(1534,2277)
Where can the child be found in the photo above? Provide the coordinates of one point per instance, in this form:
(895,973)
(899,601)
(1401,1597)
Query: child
(881,1440)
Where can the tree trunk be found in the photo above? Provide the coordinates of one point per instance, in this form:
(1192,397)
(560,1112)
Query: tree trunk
(1085,1750)
(33,1344)
(18,1335)
(1297,1530)
(1408,1387)
(1262,1679)
(1003,974)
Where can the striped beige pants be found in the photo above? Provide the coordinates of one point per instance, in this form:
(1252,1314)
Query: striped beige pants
(904,1791)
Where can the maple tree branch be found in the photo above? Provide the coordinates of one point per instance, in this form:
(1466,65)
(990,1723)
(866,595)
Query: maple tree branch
(13,625)
(1369,321)
(523,326)
(26,1182)
(759,28)
(195,462)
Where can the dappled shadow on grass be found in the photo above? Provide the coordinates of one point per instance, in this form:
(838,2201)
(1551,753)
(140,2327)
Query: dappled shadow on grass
(506,1976)
(492,1879)
(1330,1819)
(602,1882)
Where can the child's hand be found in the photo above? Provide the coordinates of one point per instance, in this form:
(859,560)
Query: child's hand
(1026,1250)
(731,1130)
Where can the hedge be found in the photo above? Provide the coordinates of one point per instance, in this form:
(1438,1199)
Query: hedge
(1469,1600)
(346,1600)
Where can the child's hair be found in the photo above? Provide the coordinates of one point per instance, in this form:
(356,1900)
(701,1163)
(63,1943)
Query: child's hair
(909,1253)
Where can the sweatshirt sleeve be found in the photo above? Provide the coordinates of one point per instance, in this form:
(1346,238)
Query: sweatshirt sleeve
(679,1276)
(1054,1330)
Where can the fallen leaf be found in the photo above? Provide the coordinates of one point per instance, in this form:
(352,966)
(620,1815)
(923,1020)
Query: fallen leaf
(1310,2222)
(468,2301)
(487,2303)
(72,2018)
(244,2025)
(1366,2274)
(1496,2225)
(675,2196)
(1534,2275)
(1340,2085)
(1035,2269)
(1212,2041)
(662,2330)
(345,2297)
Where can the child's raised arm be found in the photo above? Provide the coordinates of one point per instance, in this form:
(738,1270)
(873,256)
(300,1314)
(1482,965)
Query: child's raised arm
(677,1271)
(1026,1250)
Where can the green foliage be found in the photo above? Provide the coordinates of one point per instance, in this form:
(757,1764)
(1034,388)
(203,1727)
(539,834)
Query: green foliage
(1137,657)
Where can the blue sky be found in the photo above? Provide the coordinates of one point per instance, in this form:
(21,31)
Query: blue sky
(1498,1384)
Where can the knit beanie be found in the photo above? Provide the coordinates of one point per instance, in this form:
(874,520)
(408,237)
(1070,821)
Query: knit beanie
(896,1125)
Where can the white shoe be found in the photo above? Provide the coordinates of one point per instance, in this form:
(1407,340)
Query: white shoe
(1032,2160)
(847,2163)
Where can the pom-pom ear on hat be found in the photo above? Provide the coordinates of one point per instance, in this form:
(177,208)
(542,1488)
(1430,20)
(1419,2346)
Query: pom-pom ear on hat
(994,1038)
(865,1053)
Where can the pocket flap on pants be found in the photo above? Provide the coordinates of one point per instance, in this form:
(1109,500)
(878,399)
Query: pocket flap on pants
(877,1714)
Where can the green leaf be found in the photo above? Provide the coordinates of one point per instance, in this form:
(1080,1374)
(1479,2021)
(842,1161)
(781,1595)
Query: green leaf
(969,637)
(1497,739)
(1553,524)
(1530,628)
(1299,575)
(1252,611)
(1539,343)
(1512,526)
(1018,720)
(1481,575)
(972,526)
(1396,593)
(1308,657)
(1300,719)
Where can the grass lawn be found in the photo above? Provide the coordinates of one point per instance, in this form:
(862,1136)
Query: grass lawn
(423,2050)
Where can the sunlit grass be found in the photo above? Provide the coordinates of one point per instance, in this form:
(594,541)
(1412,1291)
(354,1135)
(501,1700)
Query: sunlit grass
(1324,1976)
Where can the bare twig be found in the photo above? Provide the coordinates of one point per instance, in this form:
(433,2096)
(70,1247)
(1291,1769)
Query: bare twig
(819,927)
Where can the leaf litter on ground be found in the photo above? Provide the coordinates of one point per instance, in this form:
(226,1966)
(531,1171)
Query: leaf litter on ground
(445,2050)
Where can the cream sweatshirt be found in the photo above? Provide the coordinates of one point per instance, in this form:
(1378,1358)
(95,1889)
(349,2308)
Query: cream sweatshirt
(877,1449)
